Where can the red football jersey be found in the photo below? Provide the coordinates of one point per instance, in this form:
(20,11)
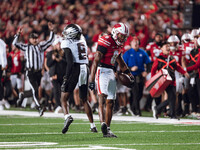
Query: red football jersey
(113,50)
(188,48)
(16,61)
(154,50)
(178,54)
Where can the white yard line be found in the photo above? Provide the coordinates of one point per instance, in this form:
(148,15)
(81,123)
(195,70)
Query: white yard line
(45,145)
(122,132)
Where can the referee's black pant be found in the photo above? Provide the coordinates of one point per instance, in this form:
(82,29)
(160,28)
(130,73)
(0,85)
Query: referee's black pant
(34,78)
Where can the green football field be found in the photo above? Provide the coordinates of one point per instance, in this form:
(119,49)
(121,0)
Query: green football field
(24,132)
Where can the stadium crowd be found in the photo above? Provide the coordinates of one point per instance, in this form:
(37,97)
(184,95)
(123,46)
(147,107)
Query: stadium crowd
(151,21)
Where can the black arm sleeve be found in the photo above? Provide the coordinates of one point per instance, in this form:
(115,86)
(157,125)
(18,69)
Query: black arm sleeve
(69,61)
(102,49)
(50,61)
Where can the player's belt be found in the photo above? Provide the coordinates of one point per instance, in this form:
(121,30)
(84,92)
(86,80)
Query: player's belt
(107,66)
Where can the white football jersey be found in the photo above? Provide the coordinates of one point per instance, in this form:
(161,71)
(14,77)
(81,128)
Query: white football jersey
(78,48)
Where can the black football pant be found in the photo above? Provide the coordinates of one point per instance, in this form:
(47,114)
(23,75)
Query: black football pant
(171,101)
(57,91)
(194,95)
(34,79)
(137,91)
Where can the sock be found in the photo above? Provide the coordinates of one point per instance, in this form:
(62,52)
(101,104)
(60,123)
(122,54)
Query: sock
(92,125)
(108,128)
(103,123)
(66,116)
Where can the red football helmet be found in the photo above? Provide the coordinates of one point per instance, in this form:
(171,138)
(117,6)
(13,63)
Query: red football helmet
(120,32)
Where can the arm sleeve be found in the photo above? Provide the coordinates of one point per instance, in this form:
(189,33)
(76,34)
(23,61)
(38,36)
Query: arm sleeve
(154,68)
(195,66)
(49,42)
(69,61)
(19,44)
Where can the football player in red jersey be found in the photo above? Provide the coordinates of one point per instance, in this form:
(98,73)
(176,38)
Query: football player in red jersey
(17,58)
(194,86)
(187,45)
(108,52)
(178,53)
(153,48)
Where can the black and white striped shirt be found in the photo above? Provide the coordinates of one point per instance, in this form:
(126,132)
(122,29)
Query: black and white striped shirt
(34,54)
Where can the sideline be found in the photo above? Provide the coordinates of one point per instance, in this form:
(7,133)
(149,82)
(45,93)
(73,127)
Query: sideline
(96,117)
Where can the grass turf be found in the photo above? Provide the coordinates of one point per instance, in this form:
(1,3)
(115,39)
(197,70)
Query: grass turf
(131,135)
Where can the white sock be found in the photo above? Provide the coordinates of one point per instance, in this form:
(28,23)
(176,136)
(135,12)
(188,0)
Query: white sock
(108,128)
(103,123)
(66,116)
(92,125)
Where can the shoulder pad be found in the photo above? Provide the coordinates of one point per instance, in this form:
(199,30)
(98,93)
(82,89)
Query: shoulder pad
(105,41)
(64,44)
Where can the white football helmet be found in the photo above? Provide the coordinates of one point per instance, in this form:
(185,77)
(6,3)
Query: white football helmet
(72,31)
(198,41)
(194,33)
(173,40)
(186,38)
(120,32)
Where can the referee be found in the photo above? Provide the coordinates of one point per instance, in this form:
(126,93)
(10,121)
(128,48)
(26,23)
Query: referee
(34,53)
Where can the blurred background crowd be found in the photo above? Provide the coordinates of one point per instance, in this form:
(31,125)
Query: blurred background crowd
(145,18)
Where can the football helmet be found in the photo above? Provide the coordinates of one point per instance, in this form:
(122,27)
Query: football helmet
(173,40)
(186,38)
(198,41)
(120,32)
(72,31)
(194,33)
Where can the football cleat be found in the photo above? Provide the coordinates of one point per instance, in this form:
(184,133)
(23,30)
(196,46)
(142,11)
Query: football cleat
(110,134)
(67,123)
(94,130)
(155,113)
(41,110)
(20,100)
(104,128)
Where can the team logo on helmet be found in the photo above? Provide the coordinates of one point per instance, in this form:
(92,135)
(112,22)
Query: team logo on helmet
(120,33)
(72,31)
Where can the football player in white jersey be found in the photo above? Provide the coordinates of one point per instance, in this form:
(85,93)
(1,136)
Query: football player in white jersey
(77,71)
